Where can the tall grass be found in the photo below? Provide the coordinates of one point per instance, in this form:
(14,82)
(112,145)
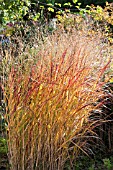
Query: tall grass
(49,101)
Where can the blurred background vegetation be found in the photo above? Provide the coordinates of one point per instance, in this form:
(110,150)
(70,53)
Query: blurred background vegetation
(11,11)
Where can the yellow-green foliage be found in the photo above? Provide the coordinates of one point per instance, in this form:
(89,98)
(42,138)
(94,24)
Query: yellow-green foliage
(105,16)
(92,19)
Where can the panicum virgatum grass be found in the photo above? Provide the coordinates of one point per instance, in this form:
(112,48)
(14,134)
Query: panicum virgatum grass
(49,99)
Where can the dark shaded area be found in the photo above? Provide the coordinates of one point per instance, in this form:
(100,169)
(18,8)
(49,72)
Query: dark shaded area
(95,2)
(105,113)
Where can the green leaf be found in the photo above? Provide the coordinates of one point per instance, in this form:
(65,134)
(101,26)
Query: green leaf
(68,4)
(79,4)
(41,7)
(99,9)
(36,17)
(75,1)
(58,4)
(49,4)
(50,9)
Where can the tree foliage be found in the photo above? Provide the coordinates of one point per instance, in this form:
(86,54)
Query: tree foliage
(11,10)
(14,10)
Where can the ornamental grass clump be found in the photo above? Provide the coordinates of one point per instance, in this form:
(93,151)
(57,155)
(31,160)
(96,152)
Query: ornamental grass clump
(49,101)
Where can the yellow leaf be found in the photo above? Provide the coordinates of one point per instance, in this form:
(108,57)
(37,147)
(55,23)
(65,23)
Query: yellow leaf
(111,80)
